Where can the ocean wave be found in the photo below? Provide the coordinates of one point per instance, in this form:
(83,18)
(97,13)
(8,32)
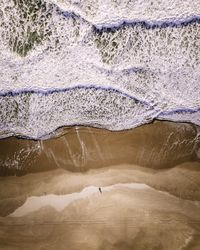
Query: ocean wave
(110,14)
(152,60)
(98,106)
(147,23)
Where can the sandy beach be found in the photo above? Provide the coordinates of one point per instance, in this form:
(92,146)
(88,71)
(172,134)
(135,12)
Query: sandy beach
(94,189)
(139,208)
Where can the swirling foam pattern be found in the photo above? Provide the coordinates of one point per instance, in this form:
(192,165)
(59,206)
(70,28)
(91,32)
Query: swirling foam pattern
(111,64)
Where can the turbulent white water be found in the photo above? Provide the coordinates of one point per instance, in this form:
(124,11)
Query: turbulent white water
(112,64)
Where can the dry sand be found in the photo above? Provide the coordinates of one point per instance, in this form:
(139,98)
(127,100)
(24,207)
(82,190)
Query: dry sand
(64,210)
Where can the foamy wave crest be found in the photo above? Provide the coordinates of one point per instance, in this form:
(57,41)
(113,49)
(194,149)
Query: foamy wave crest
(106,64)
(102,13)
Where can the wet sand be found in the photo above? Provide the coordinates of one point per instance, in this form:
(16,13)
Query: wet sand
(158,145)
(150,190)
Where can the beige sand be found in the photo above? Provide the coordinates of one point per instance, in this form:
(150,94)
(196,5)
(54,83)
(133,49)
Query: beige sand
(125,216)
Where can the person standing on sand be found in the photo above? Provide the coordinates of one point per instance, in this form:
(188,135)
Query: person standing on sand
(100,190)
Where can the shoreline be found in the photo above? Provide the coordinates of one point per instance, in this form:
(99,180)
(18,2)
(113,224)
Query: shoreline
(158,145)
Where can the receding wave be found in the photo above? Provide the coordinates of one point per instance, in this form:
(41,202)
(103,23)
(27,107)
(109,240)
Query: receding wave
(158,145)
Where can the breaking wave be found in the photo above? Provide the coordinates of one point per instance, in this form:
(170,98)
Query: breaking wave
(109,64)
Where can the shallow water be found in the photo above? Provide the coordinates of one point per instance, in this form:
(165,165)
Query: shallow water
(158,145)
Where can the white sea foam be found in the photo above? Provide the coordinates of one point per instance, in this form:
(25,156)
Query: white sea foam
(113,12)
(112,78)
